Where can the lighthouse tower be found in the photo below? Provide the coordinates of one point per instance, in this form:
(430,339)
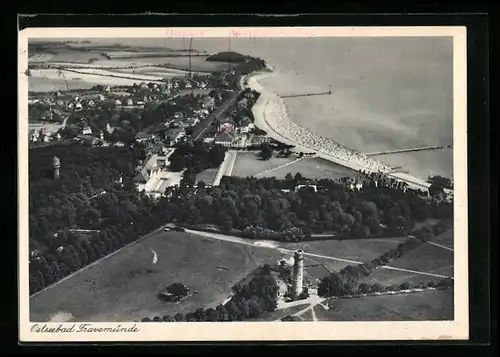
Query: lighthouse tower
(298,274)
(56,164)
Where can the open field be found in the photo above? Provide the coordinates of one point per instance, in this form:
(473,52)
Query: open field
(121,289)
(198,64)
(445,238)
(207,176)
(427,257)
(362,250)
(50,79)
(40,57)
(248,164)
(315,168)
(63,55)
(110,73)
(429,305)
(40,84)
(147,70)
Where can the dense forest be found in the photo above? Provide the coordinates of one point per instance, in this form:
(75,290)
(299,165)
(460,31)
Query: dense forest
(196,156)
(251,299)
(261,209)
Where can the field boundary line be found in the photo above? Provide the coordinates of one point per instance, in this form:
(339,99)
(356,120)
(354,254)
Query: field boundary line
(415,271)
(435,244)
(96,262)
(279,167)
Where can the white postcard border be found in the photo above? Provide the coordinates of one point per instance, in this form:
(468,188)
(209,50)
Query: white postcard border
(258,331)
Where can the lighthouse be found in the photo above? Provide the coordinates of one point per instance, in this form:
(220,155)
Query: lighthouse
(298,274)
(56,164)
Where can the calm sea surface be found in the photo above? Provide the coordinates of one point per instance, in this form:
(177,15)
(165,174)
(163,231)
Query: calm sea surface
(387,93)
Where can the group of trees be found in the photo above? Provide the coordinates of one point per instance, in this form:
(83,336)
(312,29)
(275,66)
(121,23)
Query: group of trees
(290,234)
(244,202)
(441,181)
(196,156)
(337,286)
(251,299)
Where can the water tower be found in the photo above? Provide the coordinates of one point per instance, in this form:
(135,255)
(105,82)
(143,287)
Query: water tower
(298,274)
(56,164)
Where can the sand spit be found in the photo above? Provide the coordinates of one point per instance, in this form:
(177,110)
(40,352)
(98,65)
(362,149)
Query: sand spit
(271,115)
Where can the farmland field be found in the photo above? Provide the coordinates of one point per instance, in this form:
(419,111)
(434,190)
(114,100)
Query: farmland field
(50,79)
(40,84)
(427,258)
(445,238)
(248,164)
(120,288)
(66,56)
(429,305)
(362,250)
(151,69)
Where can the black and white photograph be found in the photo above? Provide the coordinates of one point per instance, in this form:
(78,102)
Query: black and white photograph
(234,176)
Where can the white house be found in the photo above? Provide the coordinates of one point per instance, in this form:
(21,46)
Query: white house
(118,102)
(78,106)
(91,103)
(86,130)
(130,102)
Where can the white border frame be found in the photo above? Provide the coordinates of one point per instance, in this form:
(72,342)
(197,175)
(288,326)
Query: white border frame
(245,331)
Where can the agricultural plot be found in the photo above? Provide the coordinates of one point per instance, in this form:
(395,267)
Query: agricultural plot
(51,79)
(124,286)
(315,168)
(40,84)
(40,57)
(422,306)
(76,56)
(198,64)
(110,73)
(445,238)
(149,70)
(248,164)
(426,258)
(362,250)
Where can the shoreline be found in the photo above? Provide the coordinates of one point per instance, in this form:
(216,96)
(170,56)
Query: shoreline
(271,115)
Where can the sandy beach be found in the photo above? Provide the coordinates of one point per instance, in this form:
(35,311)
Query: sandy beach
(271,115)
